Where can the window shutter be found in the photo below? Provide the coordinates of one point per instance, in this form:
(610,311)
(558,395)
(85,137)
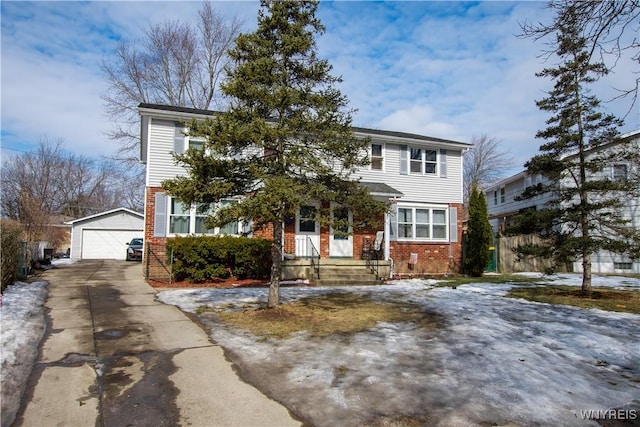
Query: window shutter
(453,224)
(404,160)
(160,216)
(393,223)
(178,139)
(443,163)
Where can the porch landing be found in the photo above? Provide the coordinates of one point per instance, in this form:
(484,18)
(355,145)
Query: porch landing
(336,271)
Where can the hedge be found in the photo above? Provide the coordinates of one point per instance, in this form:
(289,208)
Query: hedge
(11,249)
(199,259)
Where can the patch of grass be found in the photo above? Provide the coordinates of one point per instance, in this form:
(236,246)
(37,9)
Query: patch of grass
(603,298)
(326,315)
(491,278)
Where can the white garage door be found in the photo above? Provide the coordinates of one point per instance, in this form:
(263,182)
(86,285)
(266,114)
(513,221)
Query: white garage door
(106,244)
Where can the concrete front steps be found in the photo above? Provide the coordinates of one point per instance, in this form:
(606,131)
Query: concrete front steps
(335,271)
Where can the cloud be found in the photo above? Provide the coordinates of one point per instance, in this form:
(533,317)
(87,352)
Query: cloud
(445,69)
(51,55)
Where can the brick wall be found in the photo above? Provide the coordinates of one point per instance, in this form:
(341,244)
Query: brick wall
(433,258)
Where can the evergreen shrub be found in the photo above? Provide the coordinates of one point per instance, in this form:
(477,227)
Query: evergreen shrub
(202,258)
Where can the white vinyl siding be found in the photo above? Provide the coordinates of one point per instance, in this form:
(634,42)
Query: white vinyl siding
(160,162)
(419,188)
(443,187)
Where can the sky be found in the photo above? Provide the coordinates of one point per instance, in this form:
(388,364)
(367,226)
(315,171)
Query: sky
(450,70)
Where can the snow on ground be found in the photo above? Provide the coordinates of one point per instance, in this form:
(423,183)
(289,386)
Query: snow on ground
(491,360)
(22,327)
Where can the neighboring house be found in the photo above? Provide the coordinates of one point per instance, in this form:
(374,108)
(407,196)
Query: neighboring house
(503,207)
(421,176)
(105,235)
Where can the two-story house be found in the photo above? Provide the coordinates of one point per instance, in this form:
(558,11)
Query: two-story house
(503,206)
(420,176)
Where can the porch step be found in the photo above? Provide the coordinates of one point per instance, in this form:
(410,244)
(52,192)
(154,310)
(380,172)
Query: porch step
(336,272)
(345,275)
(330,282)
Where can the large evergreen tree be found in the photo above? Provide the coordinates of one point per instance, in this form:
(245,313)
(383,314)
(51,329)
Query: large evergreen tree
(479,235)
(286,139)
(581,141)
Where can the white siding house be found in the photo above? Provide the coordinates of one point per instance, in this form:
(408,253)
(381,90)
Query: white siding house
(420,175)
(502,206)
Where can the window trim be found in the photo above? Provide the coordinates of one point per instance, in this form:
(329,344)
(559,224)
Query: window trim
(430,208)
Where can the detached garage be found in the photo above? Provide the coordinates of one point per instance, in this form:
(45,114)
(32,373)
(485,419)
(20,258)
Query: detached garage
(105,235)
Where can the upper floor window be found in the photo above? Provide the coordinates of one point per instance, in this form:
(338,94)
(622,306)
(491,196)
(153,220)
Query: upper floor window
(502,195)
(423,161)
(495,198)
(195,142)
(377,157)
(620,172)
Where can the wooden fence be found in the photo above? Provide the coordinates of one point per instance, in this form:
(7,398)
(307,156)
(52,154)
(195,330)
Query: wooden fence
(511,262)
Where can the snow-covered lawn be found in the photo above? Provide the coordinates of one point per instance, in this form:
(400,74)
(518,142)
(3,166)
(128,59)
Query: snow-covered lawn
(23,326)
(492,360)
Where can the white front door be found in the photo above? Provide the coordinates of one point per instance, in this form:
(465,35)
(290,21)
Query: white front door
(341,243)
(307,231)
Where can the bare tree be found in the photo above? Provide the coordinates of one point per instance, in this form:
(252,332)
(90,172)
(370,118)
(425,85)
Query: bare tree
(610,28)
(485,164)
(176,63)
(49,182)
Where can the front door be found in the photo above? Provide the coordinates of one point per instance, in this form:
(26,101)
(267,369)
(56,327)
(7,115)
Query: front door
(341,238)
(307,232)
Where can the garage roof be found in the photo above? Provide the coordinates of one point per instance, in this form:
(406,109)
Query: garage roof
(86,218)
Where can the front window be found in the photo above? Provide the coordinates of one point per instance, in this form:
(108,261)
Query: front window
(197,143)
(430,161)
(422,223)
(502,195)
(425,161)
(376,157)
(191,220)
(307,221)
(405,223)
(179,218)
(620,172)
(416,160)
(202,212)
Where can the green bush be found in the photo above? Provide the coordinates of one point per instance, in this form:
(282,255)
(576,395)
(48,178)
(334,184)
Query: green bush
(202,258)
(11,249)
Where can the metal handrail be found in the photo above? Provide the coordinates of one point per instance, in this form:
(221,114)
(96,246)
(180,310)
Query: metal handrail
(371,257)
(315,267)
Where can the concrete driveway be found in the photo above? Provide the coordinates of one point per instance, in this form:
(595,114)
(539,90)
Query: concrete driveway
(114,356)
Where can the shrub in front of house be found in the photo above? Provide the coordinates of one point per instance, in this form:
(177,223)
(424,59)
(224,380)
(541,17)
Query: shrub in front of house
(203,258)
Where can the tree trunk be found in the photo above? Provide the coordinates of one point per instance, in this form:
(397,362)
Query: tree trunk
(586,274)
(276,266)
